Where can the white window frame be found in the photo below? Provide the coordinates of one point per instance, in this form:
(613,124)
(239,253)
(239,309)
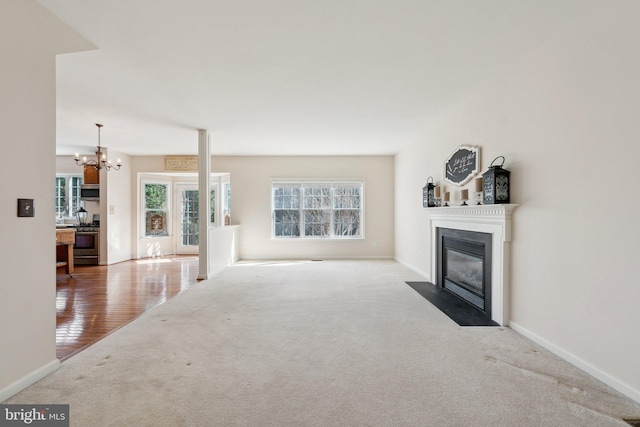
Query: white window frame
(306,183)
(143,208)
(68,199)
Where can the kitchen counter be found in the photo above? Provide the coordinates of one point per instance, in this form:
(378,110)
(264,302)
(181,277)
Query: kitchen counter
(65,239)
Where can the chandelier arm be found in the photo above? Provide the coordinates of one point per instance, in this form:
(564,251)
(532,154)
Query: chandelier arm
(86,162)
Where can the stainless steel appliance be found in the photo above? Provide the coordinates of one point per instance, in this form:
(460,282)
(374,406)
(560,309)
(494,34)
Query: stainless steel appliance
(86,250)
(90,192)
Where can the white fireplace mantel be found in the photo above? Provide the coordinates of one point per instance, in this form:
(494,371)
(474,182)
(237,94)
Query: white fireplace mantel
(493,219)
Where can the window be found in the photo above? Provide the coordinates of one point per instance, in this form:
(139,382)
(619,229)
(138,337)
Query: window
(156,209)
(286,210)
(68,195)
(226,201)
(317,209)
(346,210)
(212,204)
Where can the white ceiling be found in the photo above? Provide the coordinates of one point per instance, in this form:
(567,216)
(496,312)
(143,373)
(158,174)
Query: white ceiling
(284,77)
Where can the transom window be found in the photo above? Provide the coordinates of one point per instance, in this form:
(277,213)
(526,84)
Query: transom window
(313,209)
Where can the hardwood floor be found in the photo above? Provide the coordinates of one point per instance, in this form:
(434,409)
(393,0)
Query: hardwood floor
(98,300)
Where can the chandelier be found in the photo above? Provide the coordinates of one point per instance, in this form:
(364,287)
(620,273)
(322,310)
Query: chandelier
(101,159)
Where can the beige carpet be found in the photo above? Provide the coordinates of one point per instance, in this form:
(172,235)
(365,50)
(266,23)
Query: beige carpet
(332,343)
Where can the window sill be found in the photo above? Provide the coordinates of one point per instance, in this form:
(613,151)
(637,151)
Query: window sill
(315,239)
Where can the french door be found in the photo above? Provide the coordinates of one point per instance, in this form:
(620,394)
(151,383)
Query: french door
(188,221)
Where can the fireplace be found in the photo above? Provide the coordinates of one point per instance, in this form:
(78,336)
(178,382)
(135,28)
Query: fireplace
(494,220)
(464,265)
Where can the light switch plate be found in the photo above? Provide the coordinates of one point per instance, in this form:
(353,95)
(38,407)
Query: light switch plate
(25,208)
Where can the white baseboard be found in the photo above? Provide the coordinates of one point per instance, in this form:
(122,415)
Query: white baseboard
(576,361)
(28,380)
(328,258)
(118,260)
(417,270)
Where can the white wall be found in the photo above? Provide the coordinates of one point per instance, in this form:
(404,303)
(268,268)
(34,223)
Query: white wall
(117,210)
(153,168)
(251,204)
(30,39)
(566,119)
(115,206)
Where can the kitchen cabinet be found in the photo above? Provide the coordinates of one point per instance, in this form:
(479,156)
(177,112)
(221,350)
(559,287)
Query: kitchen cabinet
(91,175)
(65,239)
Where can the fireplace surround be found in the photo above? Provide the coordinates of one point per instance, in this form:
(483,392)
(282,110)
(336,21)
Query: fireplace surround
(494,220)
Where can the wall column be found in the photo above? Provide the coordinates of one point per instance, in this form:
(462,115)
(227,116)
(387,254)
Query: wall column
(204,203)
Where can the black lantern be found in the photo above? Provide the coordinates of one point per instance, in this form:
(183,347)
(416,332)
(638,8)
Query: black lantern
(496,184)
(428,196)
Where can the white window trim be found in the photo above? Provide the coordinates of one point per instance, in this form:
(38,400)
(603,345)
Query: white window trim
(289,181)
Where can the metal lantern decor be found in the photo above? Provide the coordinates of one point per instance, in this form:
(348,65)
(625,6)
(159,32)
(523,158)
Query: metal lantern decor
(496,184)
(81,216)
(428,196)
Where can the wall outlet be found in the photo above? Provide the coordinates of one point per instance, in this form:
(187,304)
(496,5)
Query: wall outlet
(374,244)
(112,210)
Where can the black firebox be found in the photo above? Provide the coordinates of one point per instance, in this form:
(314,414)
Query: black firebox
(464,266)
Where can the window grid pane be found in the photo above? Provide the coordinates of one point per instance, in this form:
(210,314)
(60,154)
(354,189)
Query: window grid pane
(317,197)
(76,203)
(61,186)
(346,198)
(67,195)
(155,196)
(319,209)
(190,228)
(317,223)
(287,198)
(156,202)
(347,223)
(287,223)
(227,198)
(212,203)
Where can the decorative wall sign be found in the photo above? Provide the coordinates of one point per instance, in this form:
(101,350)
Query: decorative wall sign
(181,163)
(462,165)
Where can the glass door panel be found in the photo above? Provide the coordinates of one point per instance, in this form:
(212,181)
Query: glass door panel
(187,220)
(188,229)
